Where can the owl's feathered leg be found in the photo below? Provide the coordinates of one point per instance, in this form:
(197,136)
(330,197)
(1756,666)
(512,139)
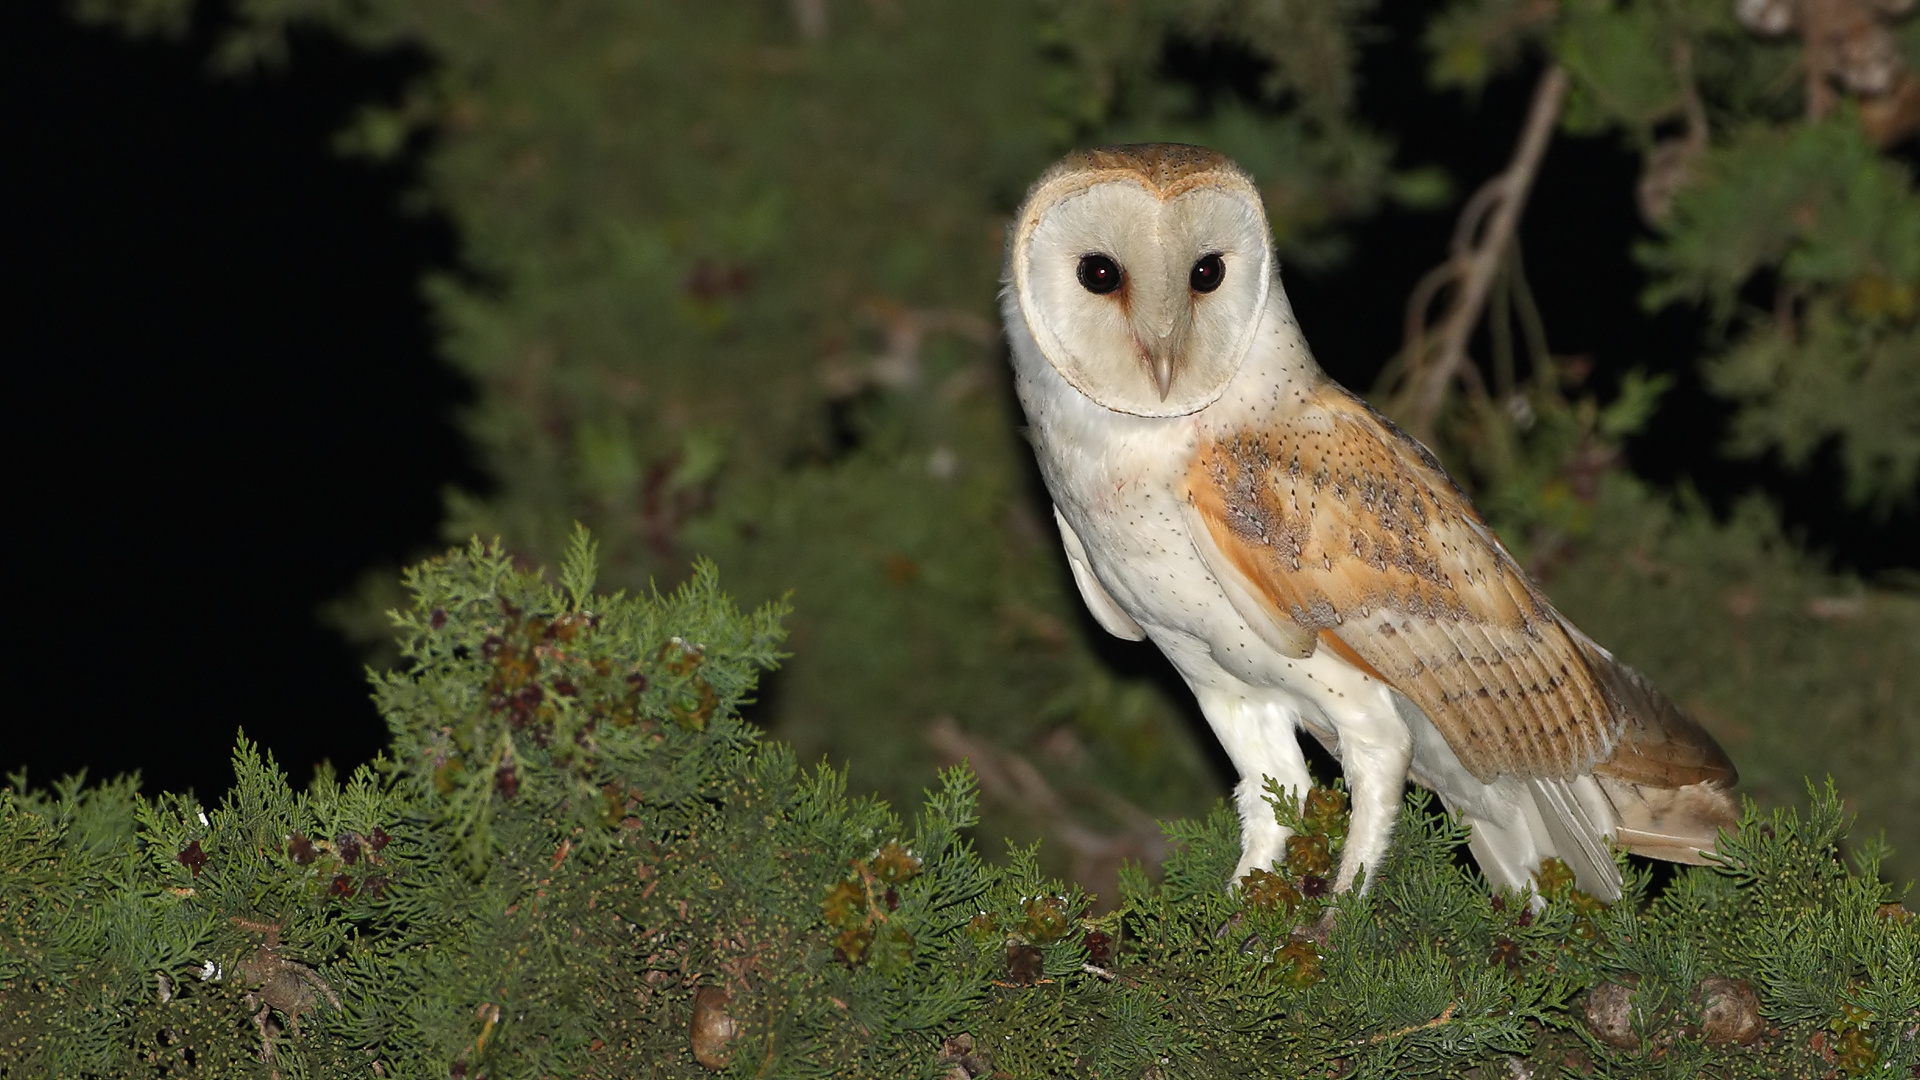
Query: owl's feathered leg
(1375,750)
(1260,735)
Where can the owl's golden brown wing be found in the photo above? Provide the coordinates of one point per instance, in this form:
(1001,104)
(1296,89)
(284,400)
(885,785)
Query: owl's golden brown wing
(1344,526)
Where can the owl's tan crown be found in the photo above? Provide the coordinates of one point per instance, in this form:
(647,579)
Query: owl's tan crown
(1166,169)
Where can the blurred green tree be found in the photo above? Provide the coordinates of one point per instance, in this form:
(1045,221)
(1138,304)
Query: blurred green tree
(732,294)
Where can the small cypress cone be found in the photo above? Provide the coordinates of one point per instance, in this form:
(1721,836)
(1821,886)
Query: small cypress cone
(713,1031)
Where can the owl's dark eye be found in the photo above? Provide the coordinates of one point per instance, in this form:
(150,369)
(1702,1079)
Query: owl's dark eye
(1207,273)
(1099,274)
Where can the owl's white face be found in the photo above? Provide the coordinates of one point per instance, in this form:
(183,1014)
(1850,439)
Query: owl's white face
(1143,296)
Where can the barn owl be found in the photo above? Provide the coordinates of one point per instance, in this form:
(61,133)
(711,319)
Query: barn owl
(1302,562)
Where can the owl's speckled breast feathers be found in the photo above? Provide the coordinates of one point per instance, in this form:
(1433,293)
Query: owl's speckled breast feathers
(1299,559)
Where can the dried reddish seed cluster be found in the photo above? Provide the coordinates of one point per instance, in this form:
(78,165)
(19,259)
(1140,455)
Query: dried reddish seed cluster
(542,670)
(521,651)
(1099,946)
(1508,954)
(349,849)
(535,661)
(1320,826)
(854,905)
(1043,920)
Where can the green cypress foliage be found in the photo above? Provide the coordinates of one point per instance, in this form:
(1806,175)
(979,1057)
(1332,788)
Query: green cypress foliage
(579,861)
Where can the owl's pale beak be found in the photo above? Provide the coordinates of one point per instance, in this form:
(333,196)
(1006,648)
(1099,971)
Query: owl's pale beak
(1160,326)
(1157,352)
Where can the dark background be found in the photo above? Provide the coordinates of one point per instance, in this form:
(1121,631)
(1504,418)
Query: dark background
(222,399)
(223,402)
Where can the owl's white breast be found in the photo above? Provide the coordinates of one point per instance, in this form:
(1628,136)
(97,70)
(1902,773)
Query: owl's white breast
(1119,482)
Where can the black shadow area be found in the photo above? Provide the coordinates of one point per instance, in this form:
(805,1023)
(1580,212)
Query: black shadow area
(222,399)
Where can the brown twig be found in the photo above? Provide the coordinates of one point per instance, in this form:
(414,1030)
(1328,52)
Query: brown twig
(1815,30)
(1691,107)
(1482,236)
(1670,164)
(1112,976)
(1433,1023)
(810,18)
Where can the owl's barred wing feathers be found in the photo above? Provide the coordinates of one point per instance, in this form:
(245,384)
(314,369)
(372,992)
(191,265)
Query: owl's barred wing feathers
(1339,524)
(1342,531)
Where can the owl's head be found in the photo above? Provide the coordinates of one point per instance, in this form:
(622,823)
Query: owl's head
(1142,272)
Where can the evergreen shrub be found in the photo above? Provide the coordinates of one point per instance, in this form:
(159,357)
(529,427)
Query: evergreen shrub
(578,860)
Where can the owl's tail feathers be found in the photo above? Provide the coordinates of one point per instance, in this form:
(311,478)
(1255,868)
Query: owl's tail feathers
(1518,824)
(1668,780)
(1677,824)
(1656,744)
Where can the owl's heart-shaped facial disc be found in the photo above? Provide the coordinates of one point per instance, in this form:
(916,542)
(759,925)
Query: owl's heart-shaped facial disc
(1143,283)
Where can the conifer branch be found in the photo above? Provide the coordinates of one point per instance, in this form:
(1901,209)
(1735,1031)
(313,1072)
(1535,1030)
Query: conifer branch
(1430,361)
(1011,780)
